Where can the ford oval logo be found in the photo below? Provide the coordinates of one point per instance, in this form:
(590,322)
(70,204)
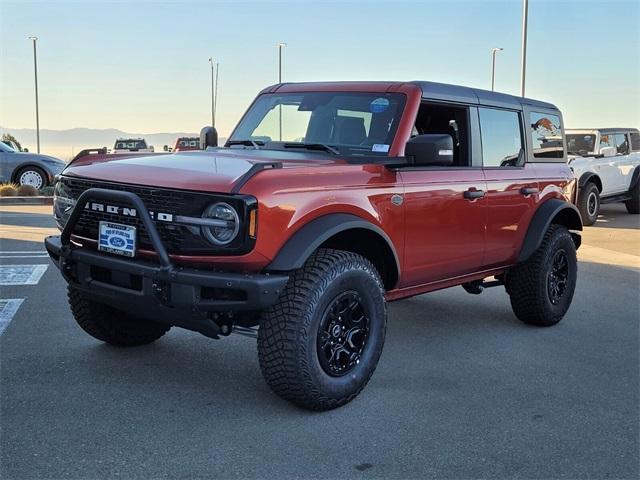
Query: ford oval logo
(117,242)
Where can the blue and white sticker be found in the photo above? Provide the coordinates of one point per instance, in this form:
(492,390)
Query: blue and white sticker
(380,147)
(379,105)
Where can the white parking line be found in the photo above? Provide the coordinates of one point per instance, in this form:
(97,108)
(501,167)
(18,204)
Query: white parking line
(22,252)
(8,308)
(25,256)
(21,274)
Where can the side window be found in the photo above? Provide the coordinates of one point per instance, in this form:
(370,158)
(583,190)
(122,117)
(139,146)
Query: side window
(606,140)
(635,141)
(546,135)
(621,143)
(449,120)
(501,138)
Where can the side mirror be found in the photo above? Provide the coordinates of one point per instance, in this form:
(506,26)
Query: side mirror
(165,148)
(25,150)
(430,149)
(208,138)
(608,151)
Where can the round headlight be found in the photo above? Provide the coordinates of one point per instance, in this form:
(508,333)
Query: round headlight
(227,224)
(63,203)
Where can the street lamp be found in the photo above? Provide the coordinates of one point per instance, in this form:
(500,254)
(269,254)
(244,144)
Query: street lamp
(523,53)
(214,75)
(280,46)
(493,66)
(35,74)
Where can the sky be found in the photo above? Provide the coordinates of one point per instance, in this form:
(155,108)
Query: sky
(142,66)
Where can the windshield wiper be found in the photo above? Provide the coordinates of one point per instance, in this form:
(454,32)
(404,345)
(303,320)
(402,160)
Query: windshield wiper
(248,143)
(313,146)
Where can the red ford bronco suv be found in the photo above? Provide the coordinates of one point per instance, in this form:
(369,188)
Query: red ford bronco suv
(327,201)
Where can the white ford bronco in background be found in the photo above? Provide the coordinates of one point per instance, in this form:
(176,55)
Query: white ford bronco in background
(606,162)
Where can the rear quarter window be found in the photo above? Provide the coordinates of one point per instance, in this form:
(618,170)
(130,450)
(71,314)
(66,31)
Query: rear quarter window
(546,135)
(635,141)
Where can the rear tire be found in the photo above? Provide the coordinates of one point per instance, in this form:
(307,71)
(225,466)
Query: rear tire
(541,289)
(110,325)
(319,345)
(589,203)
(633,205)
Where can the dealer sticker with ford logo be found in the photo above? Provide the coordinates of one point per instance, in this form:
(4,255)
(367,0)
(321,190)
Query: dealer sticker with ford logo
(117,238)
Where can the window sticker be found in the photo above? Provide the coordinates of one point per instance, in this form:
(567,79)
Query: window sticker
(379,105)
(380,147)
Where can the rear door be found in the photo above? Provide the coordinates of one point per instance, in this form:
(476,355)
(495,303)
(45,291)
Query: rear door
(512,187)
(445,208)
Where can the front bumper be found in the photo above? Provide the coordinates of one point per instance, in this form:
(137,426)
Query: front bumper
(161,292)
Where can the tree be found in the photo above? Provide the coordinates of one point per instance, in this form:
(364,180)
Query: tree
(10,139)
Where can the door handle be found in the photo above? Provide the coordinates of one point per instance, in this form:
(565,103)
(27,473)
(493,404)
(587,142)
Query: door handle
(473,194)
(529,190)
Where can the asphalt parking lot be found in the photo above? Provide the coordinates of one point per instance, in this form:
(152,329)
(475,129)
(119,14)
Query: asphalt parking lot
(463,389)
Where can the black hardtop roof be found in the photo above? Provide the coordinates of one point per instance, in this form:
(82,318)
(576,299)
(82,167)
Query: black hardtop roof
(457,93)
(609,130)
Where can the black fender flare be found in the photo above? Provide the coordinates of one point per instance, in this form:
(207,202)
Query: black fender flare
(554,209)
(588,176)
(307,239)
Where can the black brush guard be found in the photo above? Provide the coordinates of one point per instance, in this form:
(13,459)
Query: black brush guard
(162,292)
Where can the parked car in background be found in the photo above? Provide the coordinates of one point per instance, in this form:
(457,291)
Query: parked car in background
(128,145)
(26,168)
(606,162)
(187,143)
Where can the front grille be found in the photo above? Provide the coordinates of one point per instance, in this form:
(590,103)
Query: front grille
(178,239)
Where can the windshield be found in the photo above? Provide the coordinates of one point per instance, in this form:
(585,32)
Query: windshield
(341,122)
(188,142)
(130,145)
(581,143)
(5,147)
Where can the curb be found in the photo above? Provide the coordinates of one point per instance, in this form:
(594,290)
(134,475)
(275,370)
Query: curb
(26,200)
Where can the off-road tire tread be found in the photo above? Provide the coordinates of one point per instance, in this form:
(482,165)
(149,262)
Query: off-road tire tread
(282,343)
(112,326)
(525,289)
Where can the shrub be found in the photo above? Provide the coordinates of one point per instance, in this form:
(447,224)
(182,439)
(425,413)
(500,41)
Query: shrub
(47,191)
(8,190)
(27,191)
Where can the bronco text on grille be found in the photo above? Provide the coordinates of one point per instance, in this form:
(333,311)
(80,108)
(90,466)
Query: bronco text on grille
(164,206)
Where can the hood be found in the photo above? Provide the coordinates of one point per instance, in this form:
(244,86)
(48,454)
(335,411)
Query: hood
(216,170)
(39,157)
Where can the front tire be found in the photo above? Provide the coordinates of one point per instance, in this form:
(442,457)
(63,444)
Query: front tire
(541,288)
(589,203)
(633,204)
(320,344)
(32,176)
(110,325)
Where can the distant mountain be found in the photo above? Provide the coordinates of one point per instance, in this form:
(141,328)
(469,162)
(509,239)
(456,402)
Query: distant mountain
(65,144)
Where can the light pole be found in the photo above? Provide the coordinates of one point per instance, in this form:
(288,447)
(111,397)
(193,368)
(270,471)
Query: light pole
(280,45)
(523,53)
(493,66)
(35,74)
(213,95)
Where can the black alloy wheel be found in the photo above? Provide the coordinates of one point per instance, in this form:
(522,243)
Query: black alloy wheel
(343,334)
